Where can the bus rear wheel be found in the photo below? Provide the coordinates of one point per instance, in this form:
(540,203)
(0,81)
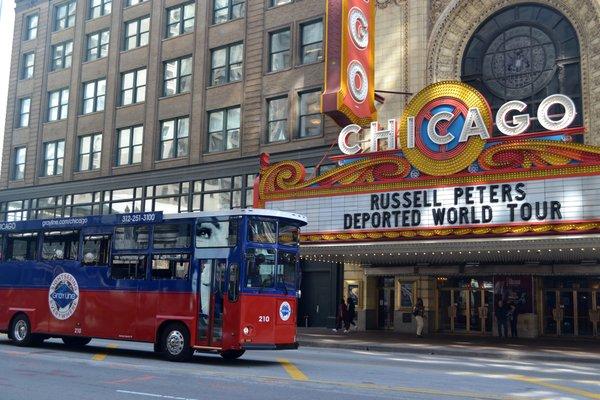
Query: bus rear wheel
(76,341)
(175,343)
(20,332)
(232,354)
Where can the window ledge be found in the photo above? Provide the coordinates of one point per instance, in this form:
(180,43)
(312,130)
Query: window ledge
(225,84)
(125,106)
(166,39)
(86,62)
(125,166)
(89,114)
(227,22)
(307,64)
(170,96)
(278,71)
(166,160)
(123,51)
(221,152)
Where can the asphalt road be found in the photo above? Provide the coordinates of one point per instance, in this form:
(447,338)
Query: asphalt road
(130,371)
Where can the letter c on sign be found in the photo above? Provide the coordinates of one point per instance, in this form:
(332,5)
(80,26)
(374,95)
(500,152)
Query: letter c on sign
(343,139)
(433,135)
(567,118)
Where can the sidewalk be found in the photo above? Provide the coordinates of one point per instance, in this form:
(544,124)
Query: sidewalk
(547,349)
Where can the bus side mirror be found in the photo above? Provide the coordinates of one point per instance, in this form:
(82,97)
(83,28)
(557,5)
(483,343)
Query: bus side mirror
(299,293)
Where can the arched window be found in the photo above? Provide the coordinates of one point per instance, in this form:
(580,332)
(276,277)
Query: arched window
(525,52)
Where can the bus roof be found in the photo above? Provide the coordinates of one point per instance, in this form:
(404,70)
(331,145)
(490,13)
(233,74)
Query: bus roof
(260,212)
(137,218)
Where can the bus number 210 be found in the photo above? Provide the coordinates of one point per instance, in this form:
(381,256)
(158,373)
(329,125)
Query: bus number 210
(264,318)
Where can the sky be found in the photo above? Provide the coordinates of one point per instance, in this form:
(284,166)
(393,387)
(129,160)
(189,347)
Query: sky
(7,18)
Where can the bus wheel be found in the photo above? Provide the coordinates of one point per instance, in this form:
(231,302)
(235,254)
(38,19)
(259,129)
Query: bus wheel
(175,343)
(232,354)
(76,341)
(21,331)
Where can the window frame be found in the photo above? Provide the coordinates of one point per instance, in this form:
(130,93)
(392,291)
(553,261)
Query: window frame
(62,93)
(224,129)
(69,17)
(106,238)
(32,246)
(64,56)
(102,6)
(181,23)
(98,48)
(178,78)
(55,159)
(27,70)
(139,33)
(20,123)
(95,99)
(275,3)
(272,121)
(303,45)
(141,271)
(15,175)
(288,50)
(69,257)
(171,257)
(131,3)
(228,65)
(300,115)
(27,34)
(230,6)
(130,147)
(175,139)
(135,88)
(90,152)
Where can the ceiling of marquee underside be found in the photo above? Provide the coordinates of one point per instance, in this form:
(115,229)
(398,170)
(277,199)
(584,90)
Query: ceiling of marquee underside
(574,249)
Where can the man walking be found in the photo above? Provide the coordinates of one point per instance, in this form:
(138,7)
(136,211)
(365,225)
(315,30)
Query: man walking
(501,319)
(419,314)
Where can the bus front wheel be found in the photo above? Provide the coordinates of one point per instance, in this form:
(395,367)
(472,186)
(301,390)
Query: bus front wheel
(76,341)
(175,343)
(232,354)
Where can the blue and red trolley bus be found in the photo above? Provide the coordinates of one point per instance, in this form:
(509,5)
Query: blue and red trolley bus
(224,282)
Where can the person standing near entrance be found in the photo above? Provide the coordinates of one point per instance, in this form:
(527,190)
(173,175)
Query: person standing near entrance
(419,313)
(351,313)
(501,319)
(514,318)
(342,316)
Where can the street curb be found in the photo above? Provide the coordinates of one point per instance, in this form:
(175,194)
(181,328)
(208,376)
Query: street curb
(442,352)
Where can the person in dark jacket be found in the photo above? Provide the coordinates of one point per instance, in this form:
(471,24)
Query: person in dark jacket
(513,318)
(351,313)
(342,316)
(501,319)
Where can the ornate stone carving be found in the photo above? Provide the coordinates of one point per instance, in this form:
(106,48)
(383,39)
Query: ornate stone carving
(458,21)
(384,3)
(435,9)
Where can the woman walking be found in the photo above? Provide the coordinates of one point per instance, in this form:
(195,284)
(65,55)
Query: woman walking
(419,313)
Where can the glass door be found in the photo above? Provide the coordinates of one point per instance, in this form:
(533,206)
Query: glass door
(386,304)
(210,307)
(549,320)
(461,300)
(583,322)
(567,326)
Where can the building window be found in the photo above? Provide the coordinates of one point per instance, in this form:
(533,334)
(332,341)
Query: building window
(61,54)
(277,115)
(311,120)
(19,156)
(54,154)
(90,147)
(180,19)
(58,104)
(227,64)
(64,15)
(225,10)
(275,3)
(99,8)
(133,87)
(27,65)
(177,76)
(311,48)
(24,108)
(129,145)
(224,129)
(174,135)
(137,33)
(129,3)
(525,52)
(94,94)
(123,201)
(97,45)
(279,50)
(47,207)
(170,198)
(31,25)
(218,194)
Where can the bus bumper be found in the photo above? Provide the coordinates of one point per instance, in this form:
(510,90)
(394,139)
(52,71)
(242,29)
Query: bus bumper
(264,346)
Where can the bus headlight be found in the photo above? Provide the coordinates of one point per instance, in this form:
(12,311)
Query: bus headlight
(246,330)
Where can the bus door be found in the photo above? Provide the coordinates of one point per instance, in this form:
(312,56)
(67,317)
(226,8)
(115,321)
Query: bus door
(210,309)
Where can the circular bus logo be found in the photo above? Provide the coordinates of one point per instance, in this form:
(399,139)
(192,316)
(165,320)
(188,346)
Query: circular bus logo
(63,296)
(441,113)
(285,311)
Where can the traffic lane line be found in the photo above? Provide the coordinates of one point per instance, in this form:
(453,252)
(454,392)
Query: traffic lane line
(561,388)
(102,356)
(154,395)
(292,370)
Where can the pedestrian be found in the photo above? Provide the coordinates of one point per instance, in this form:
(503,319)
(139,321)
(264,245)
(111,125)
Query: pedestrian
(514,318)
(419,314)
(342,316)
(501,319)
(351,313)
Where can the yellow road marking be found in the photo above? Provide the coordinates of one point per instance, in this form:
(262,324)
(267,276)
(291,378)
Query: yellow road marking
(566,389)
(102,356)
(292,370)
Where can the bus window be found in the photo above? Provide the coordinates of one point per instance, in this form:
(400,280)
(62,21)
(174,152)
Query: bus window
(171,266)
(128,267)
(234,277)
(60,245)
(262,231)
(168,236)
(95,249)
(216,232)
(131,237)
(260,265)
(286,270)
(21,246)
(288,234)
